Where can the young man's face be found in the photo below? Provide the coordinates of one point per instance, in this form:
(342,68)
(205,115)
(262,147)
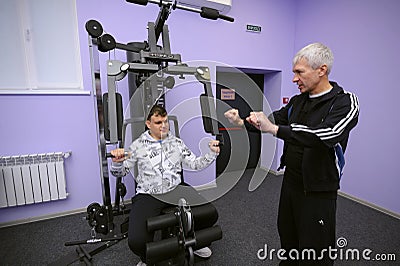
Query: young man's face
(307,78)
(158,126)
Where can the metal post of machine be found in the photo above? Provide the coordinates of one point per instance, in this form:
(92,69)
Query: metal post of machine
(99,114)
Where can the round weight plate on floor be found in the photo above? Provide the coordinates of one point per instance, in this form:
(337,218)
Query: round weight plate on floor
(91,213)
(92,208)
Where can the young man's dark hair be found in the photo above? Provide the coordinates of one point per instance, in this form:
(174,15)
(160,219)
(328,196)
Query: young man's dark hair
(157,110)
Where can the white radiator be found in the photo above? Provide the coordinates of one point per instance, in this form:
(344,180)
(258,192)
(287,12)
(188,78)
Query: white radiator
(28,179)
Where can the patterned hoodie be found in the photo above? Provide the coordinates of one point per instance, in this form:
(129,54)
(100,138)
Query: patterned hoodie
(160,163)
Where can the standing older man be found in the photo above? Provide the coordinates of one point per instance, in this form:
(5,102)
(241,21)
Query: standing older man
(315,127)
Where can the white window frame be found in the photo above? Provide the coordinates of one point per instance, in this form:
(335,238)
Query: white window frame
(38,61)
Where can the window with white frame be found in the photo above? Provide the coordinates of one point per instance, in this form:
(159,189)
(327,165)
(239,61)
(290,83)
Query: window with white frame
(39,46)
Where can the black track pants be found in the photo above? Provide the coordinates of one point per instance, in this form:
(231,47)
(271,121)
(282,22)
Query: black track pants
(306,223)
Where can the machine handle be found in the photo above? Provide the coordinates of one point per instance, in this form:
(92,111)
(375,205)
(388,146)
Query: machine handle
(109,155)
(138,2)
(211,13)
(230,19)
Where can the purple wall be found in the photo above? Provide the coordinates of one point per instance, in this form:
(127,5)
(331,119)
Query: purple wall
(364,36)
(53,123)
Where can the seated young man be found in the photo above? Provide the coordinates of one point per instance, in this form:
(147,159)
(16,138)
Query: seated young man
(159,157)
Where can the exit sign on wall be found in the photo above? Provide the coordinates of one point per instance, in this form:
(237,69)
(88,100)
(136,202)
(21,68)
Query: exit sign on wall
(253,28)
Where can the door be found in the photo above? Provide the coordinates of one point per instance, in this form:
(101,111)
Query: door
(245,99)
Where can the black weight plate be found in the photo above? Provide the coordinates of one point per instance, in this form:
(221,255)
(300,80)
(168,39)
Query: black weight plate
(92,208)
(94,28)
(106,43)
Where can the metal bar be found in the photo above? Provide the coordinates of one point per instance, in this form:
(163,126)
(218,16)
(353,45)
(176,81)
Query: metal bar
(165,39)
(151,36)
(138,67)
(178,70)
(99,113)
(112,109)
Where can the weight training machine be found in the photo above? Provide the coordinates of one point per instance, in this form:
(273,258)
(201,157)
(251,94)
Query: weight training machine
(151,69)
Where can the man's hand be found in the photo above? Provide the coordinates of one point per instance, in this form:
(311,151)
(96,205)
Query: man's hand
(214,146)
(119,155)
(233,117)
(261,122)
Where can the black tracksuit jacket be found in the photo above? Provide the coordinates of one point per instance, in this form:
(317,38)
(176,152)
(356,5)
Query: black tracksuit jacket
(324,136)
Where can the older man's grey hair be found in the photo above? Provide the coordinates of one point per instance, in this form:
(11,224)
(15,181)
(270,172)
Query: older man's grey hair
(316,54)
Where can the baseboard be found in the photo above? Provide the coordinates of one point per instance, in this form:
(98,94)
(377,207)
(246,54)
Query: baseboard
(42,218)
(370,205)
(50,216)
